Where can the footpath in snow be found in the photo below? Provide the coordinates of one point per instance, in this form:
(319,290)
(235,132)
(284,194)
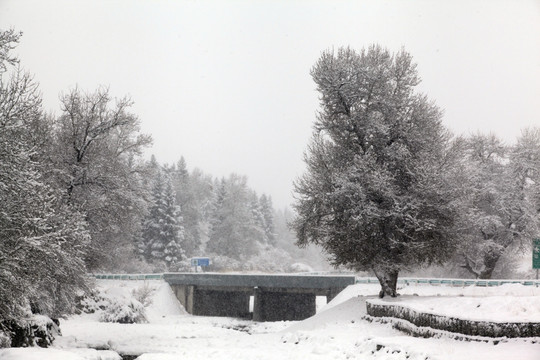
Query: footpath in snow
(337,331)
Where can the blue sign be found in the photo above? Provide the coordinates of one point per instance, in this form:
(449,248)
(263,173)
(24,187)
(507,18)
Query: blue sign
(200,261)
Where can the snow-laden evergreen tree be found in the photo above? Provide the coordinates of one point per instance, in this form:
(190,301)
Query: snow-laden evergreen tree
(375,195)
(217,216)
(258,221)
(172,230)
(191,206)
(42,240)
(234,233)
(267,211)
(162,230)
(202,189)
(499,210)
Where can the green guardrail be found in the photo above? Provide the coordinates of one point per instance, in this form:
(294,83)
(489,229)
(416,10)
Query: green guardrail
(451,282)
(359,280)
(128,276)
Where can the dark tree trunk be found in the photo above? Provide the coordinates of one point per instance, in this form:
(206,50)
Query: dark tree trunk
(489,261)
(388,280)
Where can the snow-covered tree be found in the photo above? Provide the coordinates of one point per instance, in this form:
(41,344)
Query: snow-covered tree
(234,231)
(499,209)
(258,222)
(98,161)
(525,163)
(186,197)
(162,231)
(374,194)
(42,240)
(202,190)
(267,211)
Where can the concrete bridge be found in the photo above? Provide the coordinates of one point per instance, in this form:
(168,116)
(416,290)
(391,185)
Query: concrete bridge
(276,297)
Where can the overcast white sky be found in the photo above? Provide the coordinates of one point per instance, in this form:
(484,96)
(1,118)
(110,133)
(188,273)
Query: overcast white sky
(226,84)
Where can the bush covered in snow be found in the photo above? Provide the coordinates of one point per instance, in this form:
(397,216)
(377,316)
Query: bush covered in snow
(143,294)
(300,267)
(124,312)
(36,330)
(5,340)
(117,307)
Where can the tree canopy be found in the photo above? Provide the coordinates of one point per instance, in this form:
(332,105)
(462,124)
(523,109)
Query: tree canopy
(374,194)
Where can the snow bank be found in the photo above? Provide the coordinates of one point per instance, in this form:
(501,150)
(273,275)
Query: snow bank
(505,303)
(352,291)
(424,320)
(38,354)
(490,308)
(164,303)
(134,301)
(337,332)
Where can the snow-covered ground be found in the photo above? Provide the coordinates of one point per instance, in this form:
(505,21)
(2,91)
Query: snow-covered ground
(336,332)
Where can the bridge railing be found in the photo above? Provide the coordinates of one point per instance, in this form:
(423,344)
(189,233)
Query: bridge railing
(128,276)
(359,280)
(451,282)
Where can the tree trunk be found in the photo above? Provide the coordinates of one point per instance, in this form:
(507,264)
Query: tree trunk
(485,274)
(489,262)
(388,280)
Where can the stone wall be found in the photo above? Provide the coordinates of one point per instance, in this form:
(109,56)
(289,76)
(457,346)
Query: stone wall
(455,325)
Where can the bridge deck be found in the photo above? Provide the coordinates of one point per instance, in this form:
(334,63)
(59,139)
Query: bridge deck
(262,281)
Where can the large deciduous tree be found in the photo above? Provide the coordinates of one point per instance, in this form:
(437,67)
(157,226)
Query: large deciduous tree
(42,240)
(99,145)
(500,206)
(374,194)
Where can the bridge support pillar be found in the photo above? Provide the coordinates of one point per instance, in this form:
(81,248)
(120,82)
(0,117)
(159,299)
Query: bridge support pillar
(184,294)
(277,305)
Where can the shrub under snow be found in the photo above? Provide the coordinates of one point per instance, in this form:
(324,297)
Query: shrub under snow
(128,311)
(36,330)
(143,294)
(115,306)
(5,340)
(300,267)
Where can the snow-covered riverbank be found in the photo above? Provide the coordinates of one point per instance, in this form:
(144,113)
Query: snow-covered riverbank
(336,332)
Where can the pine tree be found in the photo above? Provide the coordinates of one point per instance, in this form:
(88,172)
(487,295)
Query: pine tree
(233,232)
(258,222)
(162,232)
(172,229)
(186,198)
(268,214)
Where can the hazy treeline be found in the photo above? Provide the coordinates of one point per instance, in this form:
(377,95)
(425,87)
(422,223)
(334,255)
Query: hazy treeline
(195,214)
